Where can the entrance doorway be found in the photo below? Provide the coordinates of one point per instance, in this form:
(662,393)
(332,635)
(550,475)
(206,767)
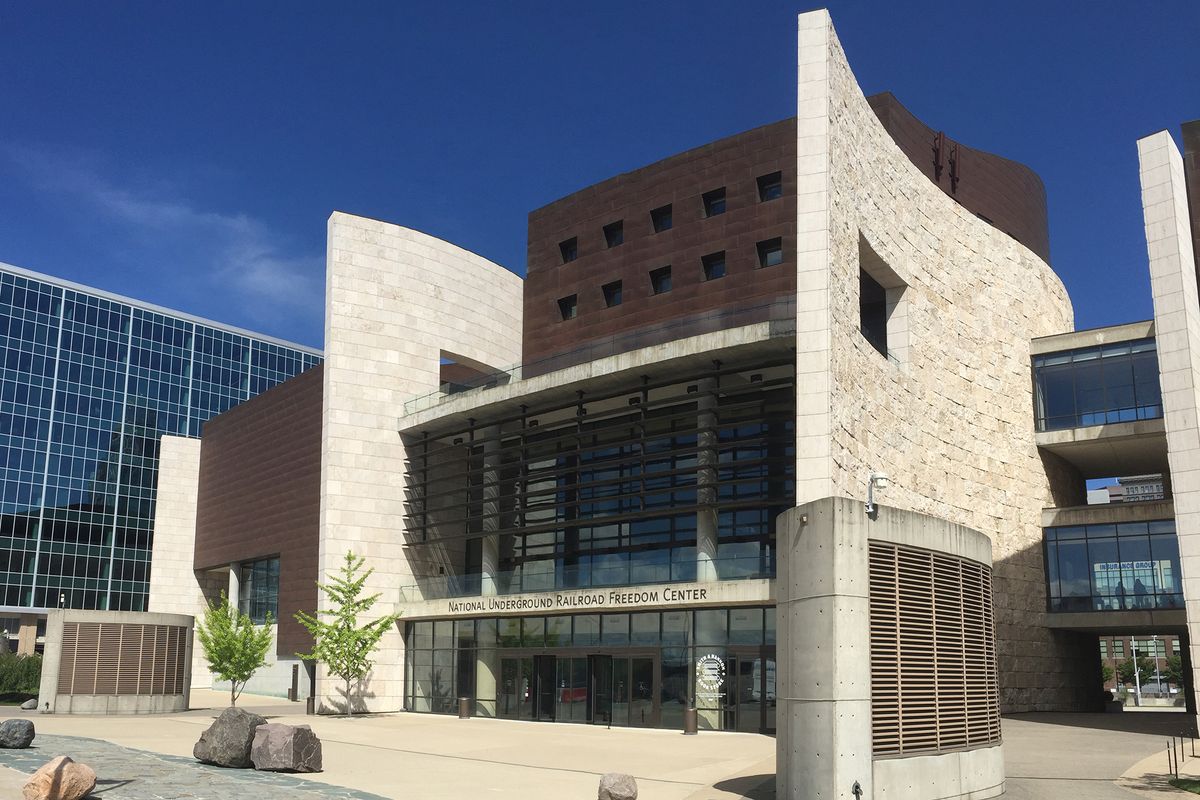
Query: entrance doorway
(736,691)
(600,688)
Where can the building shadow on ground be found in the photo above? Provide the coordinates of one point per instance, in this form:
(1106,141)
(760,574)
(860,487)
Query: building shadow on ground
(1156,723)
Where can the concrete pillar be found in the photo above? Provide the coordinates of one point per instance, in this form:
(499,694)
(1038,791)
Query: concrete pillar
(487,671)
(706,480)
(235,583)
(489,559)
(823,679)
(27,635)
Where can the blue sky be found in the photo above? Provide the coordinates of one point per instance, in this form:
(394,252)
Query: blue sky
(189,154)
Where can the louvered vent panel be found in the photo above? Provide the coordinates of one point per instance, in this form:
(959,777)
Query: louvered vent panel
(120,659)
(108,659)
(933,652)
(66,671)
(87,659)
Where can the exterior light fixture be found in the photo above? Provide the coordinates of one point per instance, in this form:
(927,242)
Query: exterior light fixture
(877,480)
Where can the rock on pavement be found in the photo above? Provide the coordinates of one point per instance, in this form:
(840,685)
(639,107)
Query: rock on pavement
(16,733)
(286,748)
(617,786)
(227,741)
(60,779)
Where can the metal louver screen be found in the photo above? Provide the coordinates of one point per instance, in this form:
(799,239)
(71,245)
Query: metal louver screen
(105,658)
(933,652)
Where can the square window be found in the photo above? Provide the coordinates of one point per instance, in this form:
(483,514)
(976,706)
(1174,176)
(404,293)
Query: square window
(714,202)
(770,252)
(660,279)
(568,307)
(770,187)
(714,265)
(661,218)
(612,293)
(569,249)
(614,233)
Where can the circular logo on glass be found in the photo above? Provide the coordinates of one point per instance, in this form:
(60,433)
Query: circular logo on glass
(710,672)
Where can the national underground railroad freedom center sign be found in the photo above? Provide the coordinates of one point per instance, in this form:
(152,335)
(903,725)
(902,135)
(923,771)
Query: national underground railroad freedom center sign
(624,598)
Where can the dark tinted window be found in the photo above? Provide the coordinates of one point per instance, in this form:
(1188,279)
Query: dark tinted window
(567,307)
(714,202)
(770,187)
(614,233)
(660,280)
(770,252)
(569,249)
(612,294)
(661,219)
(714,265)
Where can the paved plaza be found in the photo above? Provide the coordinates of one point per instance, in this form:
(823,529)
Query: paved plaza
(1105,757)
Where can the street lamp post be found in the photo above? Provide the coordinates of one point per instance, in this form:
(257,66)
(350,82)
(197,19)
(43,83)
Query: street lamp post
(1157,674)
(1137,678)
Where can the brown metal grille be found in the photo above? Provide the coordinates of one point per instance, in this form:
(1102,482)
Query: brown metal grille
(933,652)
(107,658)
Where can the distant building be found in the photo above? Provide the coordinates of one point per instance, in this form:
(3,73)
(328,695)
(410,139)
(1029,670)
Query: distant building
(89,383)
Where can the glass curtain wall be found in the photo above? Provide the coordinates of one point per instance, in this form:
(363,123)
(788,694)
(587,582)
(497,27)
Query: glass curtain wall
(1129,565)
(88,385)
(1097,385)
(609,491)
(637,669)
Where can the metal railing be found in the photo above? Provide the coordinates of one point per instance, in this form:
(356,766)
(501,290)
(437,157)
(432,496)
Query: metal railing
(781,314)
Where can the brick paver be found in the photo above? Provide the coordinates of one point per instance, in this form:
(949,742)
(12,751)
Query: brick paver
(123,773)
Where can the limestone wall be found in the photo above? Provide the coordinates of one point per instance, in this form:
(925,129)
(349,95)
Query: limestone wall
(1177,332)
(948,414)
(395,299)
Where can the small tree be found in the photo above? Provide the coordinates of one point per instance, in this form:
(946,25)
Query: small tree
(1174,671)
(341,643)
(1106,673)
(233,645)
(1145,668)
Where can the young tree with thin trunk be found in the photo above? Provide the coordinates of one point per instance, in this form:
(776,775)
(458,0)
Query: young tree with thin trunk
(339,642)
(233,645)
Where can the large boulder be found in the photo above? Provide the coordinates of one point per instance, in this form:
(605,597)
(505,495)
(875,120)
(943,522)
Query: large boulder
(60,779)
(286,748)
(617,786)
(29,705)
(227,741)
(16,733)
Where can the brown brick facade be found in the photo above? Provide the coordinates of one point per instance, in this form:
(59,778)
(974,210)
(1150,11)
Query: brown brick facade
(569,254)
(1008,195)
(260,493)
(735,164)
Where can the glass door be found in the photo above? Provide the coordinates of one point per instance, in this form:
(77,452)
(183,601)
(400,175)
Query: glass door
(643,697)
(601,668)
(572,694)
(545,674)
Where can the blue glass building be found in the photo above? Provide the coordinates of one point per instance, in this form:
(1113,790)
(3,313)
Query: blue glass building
(90,383)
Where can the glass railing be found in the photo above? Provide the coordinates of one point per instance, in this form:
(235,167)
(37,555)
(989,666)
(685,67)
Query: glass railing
(569,578)
(780,313)
(1113,567)
(1097,385)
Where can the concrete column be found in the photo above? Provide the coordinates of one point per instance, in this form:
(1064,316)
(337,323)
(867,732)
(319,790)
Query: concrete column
(823,679)
(706,481)
(487,671)
(489,559)
(27,635)
(235,583)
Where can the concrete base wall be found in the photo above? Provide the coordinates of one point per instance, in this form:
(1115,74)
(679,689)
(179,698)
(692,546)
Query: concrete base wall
(824,715)
(49,697)
(965,775)
(119,704)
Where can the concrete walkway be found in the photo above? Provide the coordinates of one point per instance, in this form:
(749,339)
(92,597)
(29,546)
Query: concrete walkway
(1052,756)
(428,757)
(1049,756)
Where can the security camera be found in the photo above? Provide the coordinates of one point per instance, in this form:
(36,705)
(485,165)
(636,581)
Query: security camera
(876,480)
(880,479)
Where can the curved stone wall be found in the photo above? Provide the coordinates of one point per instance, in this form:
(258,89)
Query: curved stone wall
(1007,195)
(946,411)
(396,299)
